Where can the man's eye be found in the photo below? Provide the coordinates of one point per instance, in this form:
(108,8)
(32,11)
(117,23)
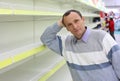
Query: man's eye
(69,24)
(76,21)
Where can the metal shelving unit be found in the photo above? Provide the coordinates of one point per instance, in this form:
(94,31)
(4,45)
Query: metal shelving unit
(22,56)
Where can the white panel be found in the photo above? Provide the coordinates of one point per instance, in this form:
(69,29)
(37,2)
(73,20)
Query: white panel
(13,18)
(32,68)
(47,5)
(41,24)
(16,4)
(15,34)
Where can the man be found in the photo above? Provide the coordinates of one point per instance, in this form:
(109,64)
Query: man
(111,27)
(106,24)
(92,55)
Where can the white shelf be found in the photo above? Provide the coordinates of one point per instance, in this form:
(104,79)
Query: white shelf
(38,13)
(18,54)
(34,68)
(46,7)
(21,24)
(90,15)
(28,12)
(63,74)
(92,25)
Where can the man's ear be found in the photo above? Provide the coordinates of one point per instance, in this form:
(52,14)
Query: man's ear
(83,18)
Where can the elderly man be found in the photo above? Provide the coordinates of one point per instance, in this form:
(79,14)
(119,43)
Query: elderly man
(92,55)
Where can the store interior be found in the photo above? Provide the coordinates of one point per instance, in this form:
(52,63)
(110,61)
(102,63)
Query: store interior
(23,57)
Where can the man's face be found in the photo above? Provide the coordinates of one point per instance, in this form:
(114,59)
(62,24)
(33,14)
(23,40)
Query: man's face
(75,24)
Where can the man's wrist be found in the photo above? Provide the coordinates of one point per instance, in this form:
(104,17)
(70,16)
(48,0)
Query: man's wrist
(60,23)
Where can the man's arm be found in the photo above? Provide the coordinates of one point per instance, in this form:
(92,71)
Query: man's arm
(113,50)
(116,59)
(50,38)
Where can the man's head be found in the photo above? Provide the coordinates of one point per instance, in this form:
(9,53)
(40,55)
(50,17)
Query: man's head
(68,12)
(74,22)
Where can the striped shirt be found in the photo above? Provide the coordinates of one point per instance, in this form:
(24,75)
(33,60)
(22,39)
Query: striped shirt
(95,57)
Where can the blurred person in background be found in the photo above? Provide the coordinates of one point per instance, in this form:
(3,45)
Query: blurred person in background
(106,24)
(111,27)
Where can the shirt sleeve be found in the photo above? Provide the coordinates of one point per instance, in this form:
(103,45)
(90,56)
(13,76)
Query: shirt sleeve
(51,39)
(113,53)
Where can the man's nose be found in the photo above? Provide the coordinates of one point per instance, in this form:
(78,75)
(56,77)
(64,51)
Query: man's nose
(74,26)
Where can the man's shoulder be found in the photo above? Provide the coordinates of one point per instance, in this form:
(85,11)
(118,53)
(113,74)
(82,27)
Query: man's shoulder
(69,37)
(100,34)
(99,31)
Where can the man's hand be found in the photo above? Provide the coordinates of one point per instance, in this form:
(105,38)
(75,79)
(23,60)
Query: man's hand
(60,23)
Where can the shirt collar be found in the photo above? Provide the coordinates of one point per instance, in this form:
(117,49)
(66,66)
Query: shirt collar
(85,36)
